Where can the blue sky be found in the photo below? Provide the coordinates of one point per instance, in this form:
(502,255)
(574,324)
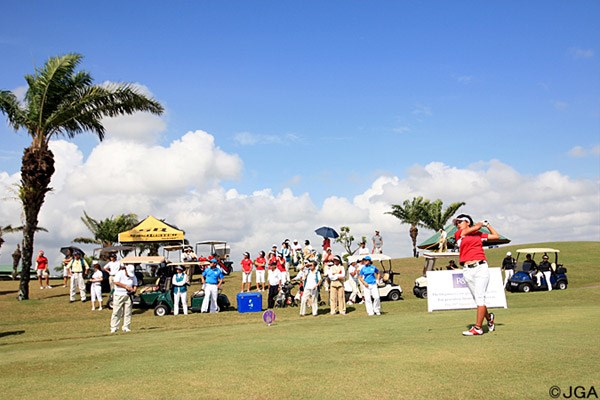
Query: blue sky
(325,97)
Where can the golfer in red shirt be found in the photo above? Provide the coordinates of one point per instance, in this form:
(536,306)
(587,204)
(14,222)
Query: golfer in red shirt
(246,271)
(475,268)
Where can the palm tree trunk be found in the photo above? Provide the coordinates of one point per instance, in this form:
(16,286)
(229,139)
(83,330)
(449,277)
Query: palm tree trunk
(36,171)
(414,231)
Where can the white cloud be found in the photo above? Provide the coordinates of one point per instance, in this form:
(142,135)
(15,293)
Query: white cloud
(579,53)
(251,139)
(560,105)
(422,111)
(181,183)
(580,151)
(465,79)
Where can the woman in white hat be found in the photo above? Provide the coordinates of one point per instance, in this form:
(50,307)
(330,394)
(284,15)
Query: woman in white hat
(180,283)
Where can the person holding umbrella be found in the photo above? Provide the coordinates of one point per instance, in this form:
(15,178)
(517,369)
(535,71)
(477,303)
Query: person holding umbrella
(327,233)
(475,268)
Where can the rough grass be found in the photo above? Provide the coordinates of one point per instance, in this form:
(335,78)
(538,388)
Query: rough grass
(52,349)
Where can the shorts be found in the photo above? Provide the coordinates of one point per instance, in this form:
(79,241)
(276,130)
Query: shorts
(42,272)
(477,279)
(260,276)
(247,277)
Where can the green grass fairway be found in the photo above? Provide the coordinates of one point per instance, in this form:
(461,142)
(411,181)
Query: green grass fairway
(51,349)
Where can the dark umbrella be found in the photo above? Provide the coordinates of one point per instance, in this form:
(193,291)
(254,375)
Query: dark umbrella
(73,250)
(327,232)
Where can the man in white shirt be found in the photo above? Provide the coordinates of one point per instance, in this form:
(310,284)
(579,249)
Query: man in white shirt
(312,278)
(363,250)
(275,280)
(125,285)
(112,267)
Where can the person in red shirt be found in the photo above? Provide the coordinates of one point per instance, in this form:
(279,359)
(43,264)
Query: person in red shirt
(246,271)
(281,267)
(326,243)
(260,264)
(42,270)
(475,268)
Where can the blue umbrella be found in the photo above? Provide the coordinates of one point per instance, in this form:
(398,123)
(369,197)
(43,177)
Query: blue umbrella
(327,232)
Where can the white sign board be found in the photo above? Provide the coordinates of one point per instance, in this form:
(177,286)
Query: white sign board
(447,290)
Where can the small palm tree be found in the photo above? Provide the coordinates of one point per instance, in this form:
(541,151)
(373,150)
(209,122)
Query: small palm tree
(106,232)
(8,229)
(60,101)
(410,212)
(434,217)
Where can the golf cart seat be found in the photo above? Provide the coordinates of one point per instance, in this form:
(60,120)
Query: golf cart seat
(386,277)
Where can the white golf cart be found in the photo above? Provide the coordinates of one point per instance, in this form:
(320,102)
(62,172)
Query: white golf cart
(420,288)
(220,248)
(174,255)
(387,288)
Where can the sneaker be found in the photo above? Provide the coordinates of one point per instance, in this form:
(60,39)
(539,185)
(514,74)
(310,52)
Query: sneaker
(93,309)
(113,330)
(41,287)
(491,325)
(349,303)
(48,287)
(377,313)
(474,331)
(126,330)
(100,309)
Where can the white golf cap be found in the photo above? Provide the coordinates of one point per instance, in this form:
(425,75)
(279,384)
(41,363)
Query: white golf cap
(509,253)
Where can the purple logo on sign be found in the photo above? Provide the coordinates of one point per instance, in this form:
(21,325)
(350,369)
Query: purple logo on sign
(458,281)
(269,317)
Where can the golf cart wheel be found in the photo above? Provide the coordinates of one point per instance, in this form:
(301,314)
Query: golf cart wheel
(525,288)
(109,304)
(562,285)
(424,293)
(161,310)
(394,295)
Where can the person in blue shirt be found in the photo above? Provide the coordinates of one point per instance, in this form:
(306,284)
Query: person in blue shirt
(369,276)
(180,283)
(212,279)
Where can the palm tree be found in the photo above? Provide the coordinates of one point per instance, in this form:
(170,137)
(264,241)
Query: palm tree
(410,212)
(60,101)
(8,229)
(434,218)
(106,232)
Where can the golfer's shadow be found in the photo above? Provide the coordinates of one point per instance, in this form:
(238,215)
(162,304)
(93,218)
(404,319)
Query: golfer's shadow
(3,334)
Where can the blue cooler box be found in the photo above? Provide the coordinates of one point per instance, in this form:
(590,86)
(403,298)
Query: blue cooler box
(249,302)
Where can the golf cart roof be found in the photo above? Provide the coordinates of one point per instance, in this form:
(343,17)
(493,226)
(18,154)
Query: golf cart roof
(435,254)
(533,250)
(143,260)
(374,257)
(113,249)
(177,247)
(211,242)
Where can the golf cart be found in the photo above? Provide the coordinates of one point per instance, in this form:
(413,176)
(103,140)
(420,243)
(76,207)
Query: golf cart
(387,288)
(218,248)
(151,295)
(525,280)
(175,255)
(420,288)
